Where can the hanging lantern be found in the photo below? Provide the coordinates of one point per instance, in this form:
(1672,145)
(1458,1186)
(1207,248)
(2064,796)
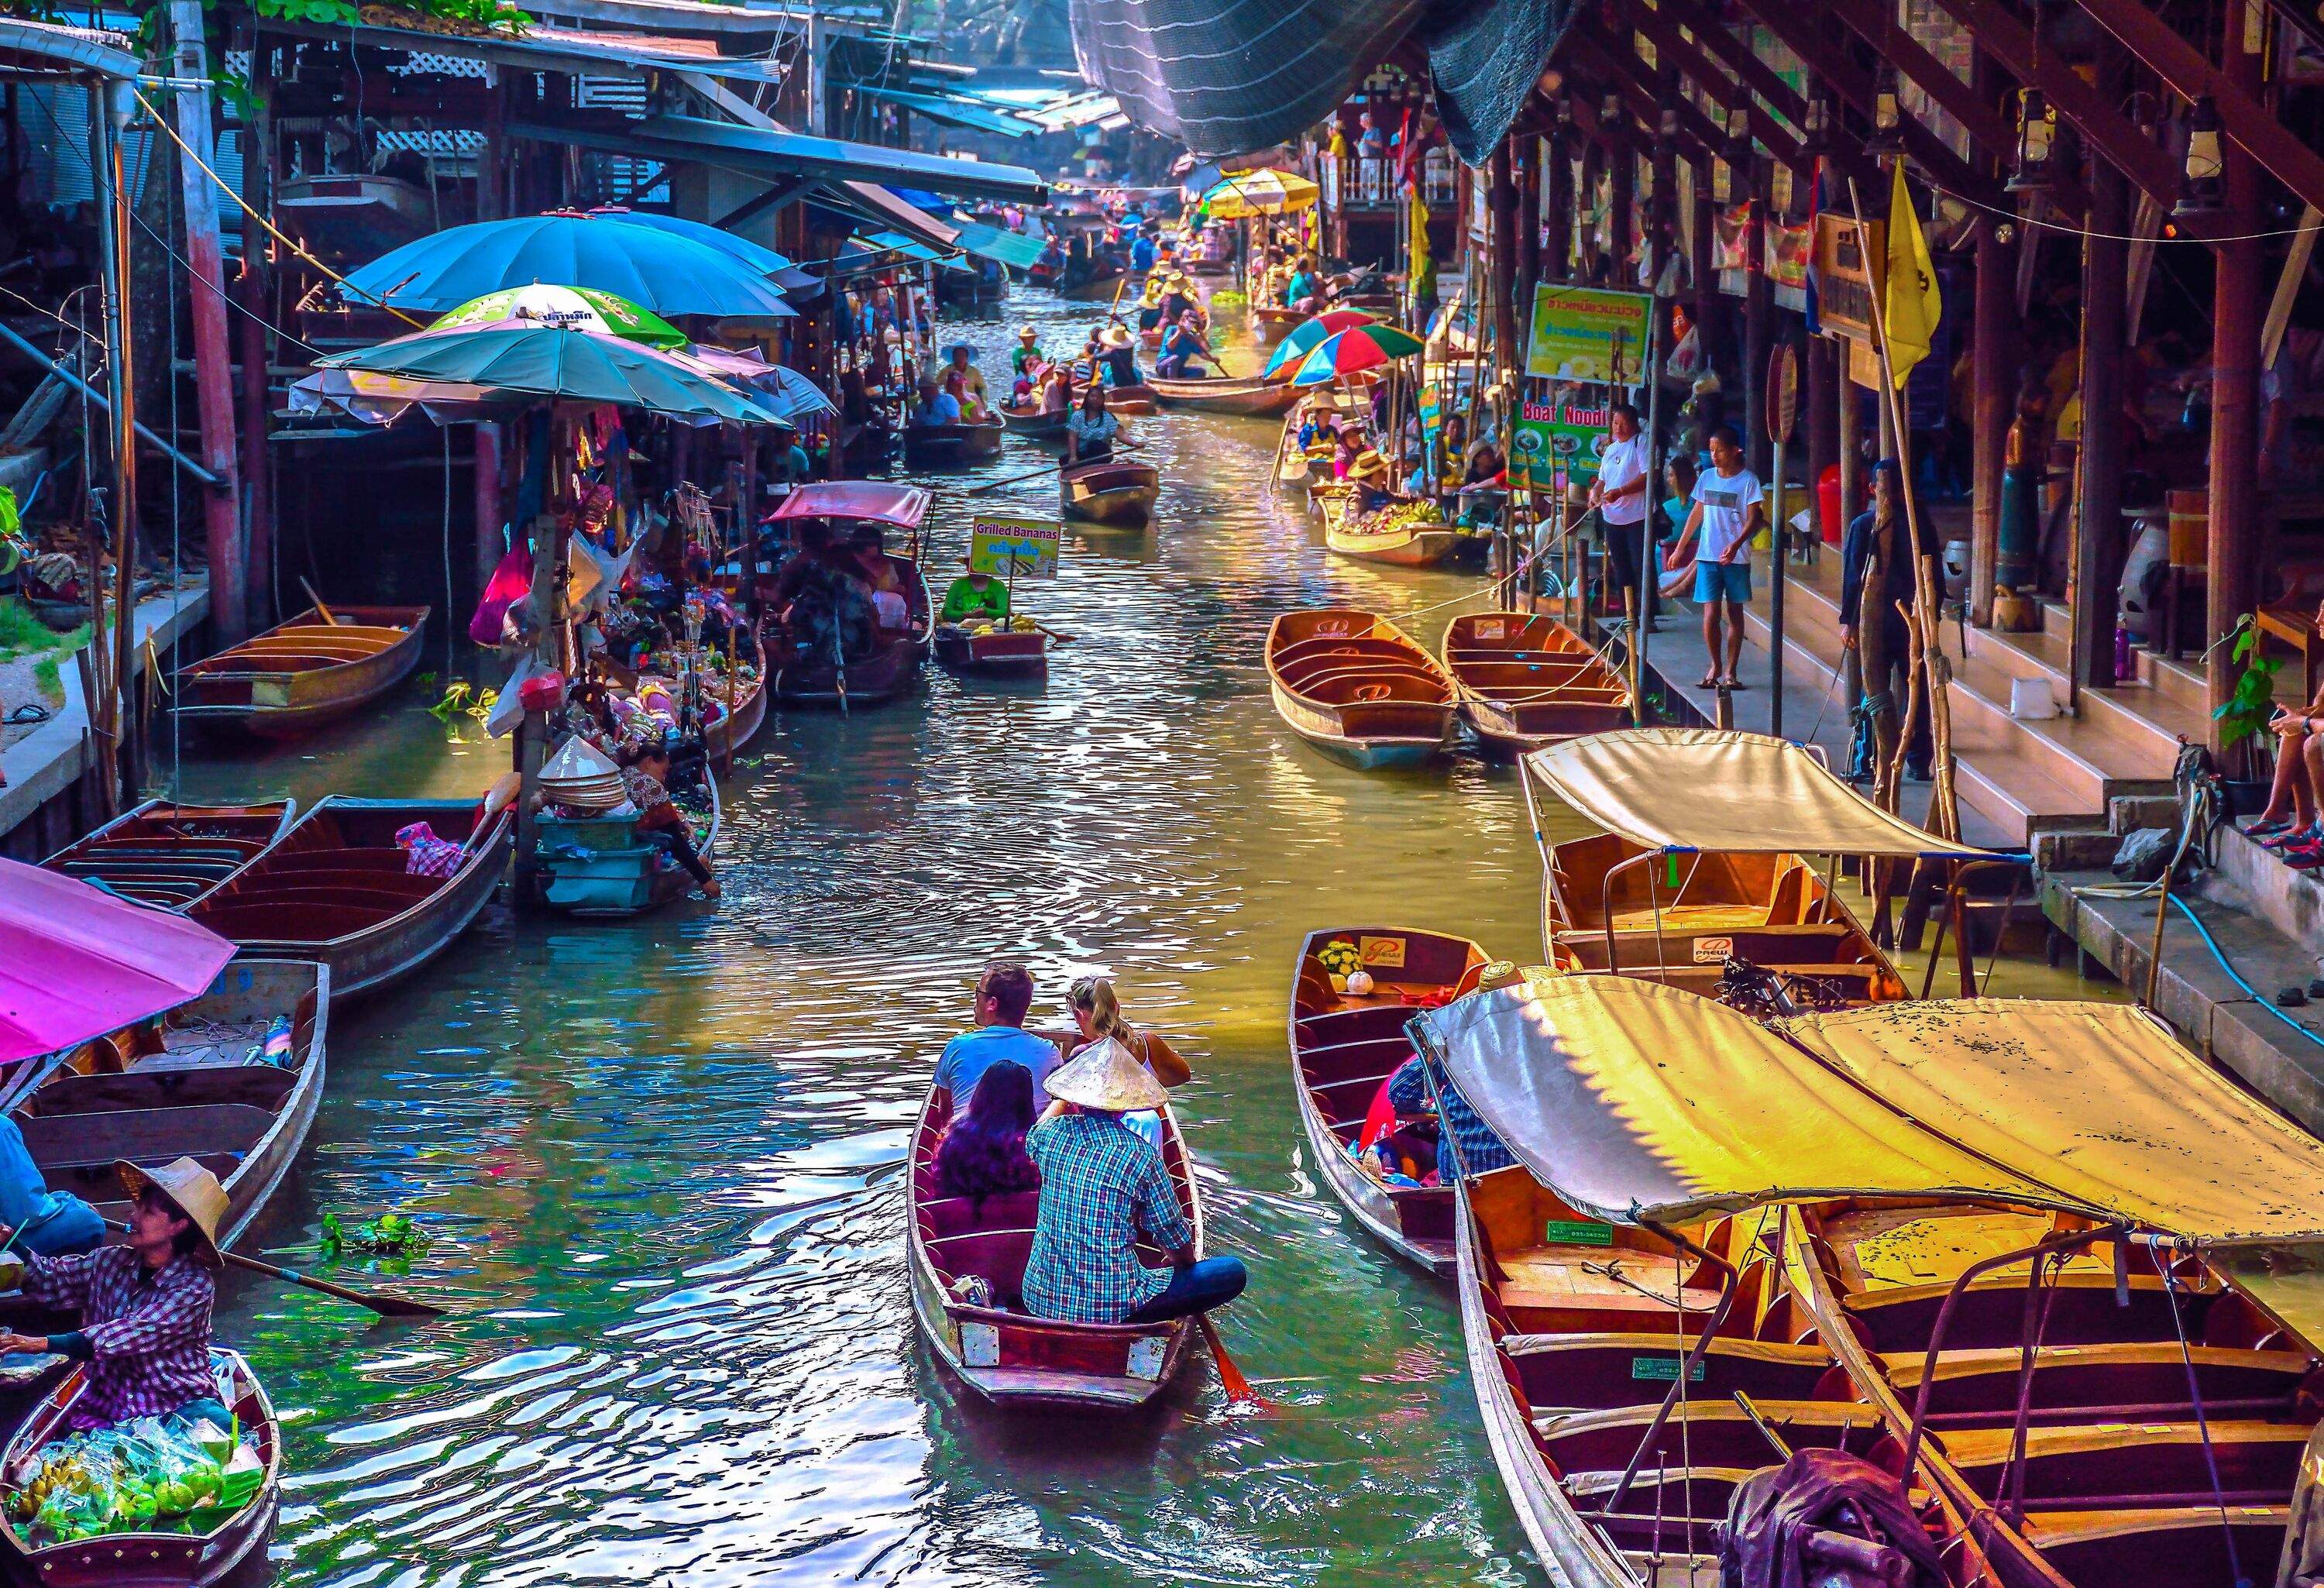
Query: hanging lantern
(1722,181)
(1816,133)
(2205,192)
(2037,139)
(1887,135)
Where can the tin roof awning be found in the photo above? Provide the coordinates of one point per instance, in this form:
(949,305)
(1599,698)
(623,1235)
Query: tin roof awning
(42,49)
(568,50)
(951,111)
(1012,248)
(701,17)
(780,156)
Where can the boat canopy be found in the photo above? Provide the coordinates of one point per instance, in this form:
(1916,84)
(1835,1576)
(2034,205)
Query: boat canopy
(1635,1100)
(1704,789)
(76,962)
(903,506)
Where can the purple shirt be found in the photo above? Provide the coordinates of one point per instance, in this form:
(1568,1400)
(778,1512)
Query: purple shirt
(149,1332)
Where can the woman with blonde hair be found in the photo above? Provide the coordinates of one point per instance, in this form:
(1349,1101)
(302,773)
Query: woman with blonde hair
(1098,1014)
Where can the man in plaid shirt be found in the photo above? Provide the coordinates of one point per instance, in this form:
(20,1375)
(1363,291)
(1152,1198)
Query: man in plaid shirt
(145,1306)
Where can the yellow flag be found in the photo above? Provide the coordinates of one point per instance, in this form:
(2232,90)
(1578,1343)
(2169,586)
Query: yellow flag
(1914,305)
(1419,232)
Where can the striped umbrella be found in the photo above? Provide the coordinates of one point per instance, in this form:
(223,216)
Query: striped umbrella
(1307,333)
(1260,192)
(1359,347)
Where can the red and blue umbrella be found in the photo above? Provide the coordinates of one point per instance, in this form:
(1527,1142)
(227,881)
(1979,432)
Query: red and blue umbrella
(1359,347)
(1307,333)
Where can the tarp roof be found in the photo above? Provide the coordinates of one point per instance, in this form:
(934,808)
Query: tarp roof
(1704,789)
(870,500)
(1007,247)
(1632,1100)
(943,107)
(766,153)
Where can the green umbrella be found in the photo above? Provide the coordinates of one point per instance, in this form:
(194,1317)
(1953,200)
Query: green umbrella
(1359,347)
(525,358)
(584,309)
(1307,333)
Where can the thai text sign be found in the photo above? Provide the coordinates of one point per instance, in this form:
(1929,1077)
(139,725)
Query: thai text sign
(1015,547)
(1588,333)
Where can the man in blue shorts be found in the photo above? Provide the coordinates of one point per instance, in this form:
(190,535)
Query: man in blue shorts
(1003,993)
(1728,511)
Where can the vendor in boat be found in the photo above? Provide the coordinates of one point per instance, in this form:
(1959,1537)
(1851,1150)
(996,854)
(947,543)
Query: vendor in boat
(145,1306)
(1304,290)
(937,407)
(1004,992)
(974,598)
(866,557)
(1091,432)
(1102,1186)
(1178,299)
(1414,1101)
(1369,477)
(1181,345)
(1028,350)
(972,410)
(1118,357)
(645,777)
(958,364)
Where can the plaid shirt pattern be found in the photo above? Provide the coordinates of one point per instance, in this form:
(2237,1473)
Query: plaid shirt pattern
(1480,1149)
(148,1332)
(426,854)
(1100,1184)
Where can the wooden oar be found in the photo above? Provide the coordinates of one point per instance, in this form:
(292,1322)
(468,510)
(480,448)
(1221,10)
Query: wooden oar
(317,600)
(386,1306)
(1230,1378)
(1054,634)
(497,798)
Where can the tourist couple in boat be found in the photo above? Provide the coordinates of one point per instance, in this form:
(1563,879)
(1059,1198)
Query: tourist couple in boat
(1094,1153)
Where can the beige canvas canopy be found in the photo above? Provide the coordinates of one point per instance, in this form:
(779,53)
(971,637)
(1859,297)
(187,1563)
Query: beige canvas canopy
(1704,789)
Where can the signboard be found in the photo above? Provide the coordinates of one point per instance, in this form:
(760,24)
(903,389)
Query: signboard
(1846,272)
(1588,333)
(1015,547)
(1783,392)
(1432,413)
(1556,444)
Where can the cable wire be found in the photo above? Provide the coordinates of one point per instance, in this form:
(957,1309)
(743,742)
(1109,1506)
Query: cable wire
(2051,225)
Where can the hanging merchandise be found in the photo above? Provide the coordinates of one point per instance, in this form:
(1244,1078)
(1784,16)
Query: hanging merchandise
(510,583)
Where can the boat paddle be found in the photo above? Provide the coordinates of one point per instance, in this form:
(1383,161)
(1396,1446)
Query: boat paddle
(380,1302)
(1230,1378)
(317,600)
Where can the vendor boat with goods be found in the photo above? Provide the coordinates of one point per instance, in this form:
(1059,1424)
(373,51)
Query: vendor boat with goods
(1407,532)
(1358,688)
(325,664)
(856,622)
(171,856)
(599,855)
(1527,681)
(1944,1293)
(1352,993)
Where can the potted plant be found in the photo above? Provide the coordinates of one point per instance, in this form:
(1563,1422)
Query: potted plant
(2243,716)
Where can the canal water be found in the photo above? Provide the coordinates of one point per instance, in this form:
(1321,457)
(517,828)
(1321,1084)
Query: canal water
(662,1160)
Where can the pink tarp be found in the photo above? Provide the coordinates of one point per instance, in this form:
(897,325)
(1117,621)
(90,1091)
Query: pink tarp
(75,962)
(902,505)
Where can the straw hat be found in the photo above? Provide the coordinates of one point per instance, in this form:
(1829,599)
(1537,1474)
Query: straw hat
(1107,1076)
(188,1188)
(1115,337)
(1027,334)
(1369,465)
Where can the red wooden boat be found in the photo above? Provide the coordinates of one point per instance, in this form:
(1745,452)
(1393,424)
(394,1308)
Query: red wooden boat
(1006,1355)
(301,674)
(1345,1045)
(1356,686)
(1004,653)
(1526,680)
(172,856)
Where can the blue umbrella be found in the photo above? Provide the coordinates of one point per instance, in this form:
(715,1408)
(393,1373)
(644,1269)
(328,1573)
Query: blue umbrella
(653,268)
(765,261)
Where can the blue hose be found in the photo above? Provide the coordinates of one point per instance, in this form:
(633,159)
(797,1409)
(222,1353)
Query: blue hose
(2237,976)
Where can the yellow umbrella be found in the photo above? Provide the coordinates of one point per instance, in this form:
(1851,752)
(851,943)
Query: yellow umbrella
(1265,191)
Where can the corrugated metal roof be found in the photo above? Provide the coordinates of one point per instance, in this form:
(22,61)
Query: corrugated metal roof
(759,151)
(570,50)
(30,48)
(955,111)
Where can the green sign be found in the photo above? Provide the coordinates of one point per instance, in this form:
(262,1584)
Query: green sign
(1578,1232)
(1663,1367)
(1588,334)
(1555,444)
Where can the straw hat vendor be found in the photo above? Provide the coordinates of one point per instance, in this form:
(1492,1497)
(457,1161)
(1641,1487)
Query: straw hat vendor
(1101,1185)
(1370,475)
(1028,350)
(974,598)
(144,1305)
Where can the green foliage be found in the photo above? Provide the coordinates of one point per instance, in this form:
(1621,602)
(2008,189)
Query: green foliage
(491,13)
(10,520)
(2249,709)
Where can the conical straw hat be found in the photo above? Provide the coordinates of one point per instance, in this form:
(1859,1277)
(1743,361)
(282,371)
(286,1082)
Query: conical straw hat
(577,761)
(1107,1076)
(191,1189)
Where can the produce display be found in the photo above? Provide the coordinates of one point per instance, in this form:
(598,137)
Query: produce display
(1020,625)
(1419,513)
(142,1477)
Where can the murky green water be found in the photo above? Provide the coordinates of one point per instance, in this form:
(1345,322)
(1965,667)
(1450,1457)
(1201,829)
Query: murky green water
(662,1159)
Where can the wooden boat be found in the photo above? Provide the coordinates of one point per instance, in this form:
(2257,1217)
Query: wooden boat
(1033,423)
(893,665)
(335,890)
(158,1557)
(1003,653)
(1113,491)
(940,446)
(1131,401)
(1270,323)
(171,856)
(745,715)
(1405,545)
(1344,1047)
(355,216)
(1355,687)
(185,1083)
(1526,680)
(602,868)
(298,675)
(1008,1357)
(1250,398)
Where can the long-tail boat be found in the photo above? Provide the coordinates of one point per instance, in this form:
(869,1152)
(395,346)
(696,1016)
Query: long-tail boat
(1247,398)
(336,888)
(1345,1044)
(206,1550)
(192,1082)
(1354,685)
(300,675)
(2047,1278)
(893,665)
(949,445)
(1111,491)
(1378,537)
(1526,680)
(1003,1353)
(1034,423)
(172,856)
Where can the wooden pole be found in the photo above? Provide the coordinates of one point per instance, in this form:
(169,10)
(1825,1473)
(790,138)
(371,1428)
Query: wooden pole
(1557,204)
(256,295)
(2098,545)
(2239,298)
(1758,308)
(109,114)
(1994,354)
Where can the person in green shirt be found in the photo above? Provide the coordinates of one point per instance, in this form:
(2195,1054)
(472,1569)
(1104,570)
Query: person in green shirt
(974,598)
(1029,348)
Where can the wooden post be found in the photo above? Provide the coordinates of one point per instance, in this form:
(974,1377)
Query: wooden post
(2239,303)
(257,299)
(2097,548)
(1504,254)
(1994,356)
(1529,237)
(1758,306)
(1702,257)
(213,358)
(487,496)
(492,160)
(1622,230)
(1557,202)
(108,109)
(1824,376)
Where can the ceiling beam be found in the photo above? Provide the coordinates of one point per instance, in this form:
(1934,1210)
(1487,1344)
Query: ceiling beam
(1754,73)
(1670,47)
(1639,94)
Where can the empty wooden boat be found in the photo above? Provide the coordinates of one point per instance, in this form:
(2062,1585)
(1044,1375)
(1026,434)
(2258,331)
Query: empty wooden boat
(1270,323)
(1034,423)
(994,652)
(336,888)
(892,666)
(946,445)
(1130,401)
(172,856)
(1004,1354)
(1247,398)
(1113,491)
(193,1081)
(301,674)
(1381,536)
(1526,680)
(1344,1047)
(1354,685)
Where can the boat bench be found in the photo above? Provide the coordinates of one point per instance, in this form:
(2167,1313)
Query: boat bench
(1818,945)
(1591,1371)
(251,1085)
(2118,1378)
(1991,1312)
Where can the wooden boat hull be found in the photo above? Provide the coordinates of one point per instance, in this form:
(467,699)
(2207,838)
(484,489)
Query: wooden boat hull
(1272,325)
(152,1559)
(1527,681)
(1008,1358)
(333,890)
(1035,424)
(1250,399)
(1130,401)
(173,856)
(726,738)
(891,669)
(1354,687)
(1110,493)
(926,446)
(602,869)
(305,673)
(1003,653)
(1420,546)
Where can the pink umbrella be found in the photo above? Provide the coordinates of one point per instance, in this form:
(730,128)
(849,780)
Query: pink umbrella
(75,962)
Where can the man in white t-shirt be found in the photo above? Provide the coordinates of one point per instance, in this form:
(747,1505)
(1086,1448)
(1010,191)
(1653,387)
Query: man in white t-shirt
(1619,495)
(1728,511)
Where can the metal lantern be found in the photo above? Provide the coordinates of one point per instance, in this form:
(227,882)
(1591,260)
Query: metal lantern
(1887,135)
(2205,192)
(1816,133)
(2037,138)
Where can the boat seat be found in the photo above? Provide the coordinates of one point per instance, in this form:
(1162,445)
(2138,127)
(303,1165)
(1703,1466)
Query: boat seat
(1661,1503)
(156,1135)
(1553,1284)
(2115,1380)
(1992,1312)
(375,858)
(1374,1019)
(2181,1546)
(99,1185)
(303,915)
(2160,1462)
(1593,1371)
(942,1217)
(1817,945)
(1714,1432)
(253,1085)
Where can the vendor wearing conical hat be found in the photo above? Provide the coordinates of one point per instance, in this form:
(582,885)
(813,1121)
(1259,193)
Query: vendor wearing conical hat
(1103,1184)
(144,1305)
